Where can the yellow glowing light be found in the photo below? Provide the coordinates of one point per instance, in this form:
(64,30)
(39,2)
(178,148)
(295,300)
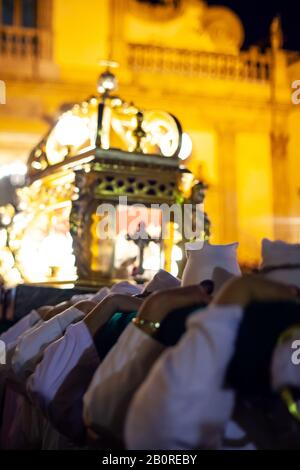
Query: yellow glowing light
(176,253)
(15,168)
(71,131)
(163,133)
(3,238)
(56,252)
(93,101)
(186,147)
(106,82)
(152,263)
(37,165)
(174,268)
(186,184)
(166,142)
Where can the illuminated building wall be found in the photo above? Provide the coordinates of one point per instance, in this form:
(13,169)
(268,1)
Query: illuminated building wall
(235,105)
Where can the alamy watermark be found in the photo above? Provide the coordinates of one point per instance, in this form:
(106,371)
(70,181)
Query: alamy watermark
(296,93)
(296,354)
(2,352)
(2,92)
(135,218)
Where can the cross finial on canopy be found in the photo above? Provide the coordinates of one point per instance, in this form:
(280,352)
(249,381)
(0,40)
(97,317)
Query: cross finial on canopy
(142,239)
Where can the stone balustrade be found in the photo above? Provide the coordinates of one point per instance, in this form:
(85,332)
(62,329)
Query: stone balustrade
(251,65)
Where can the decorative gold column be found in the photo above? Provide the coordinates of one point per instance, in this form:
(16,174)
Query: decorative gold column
(228,217)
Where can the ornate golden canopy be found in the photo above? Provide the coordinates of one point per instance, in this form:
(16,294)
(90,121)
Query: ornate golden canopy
(99,152)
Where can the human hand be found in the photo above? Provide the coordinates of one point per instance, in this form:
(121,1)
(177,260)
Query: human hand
(159,304)
(84,306)
(111,304)
(54,310)
(243,290)
(44,311)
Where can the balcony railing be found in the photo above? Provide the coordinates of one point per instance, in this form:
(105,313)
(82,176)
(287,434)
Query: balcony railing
(248,66)
(21,50)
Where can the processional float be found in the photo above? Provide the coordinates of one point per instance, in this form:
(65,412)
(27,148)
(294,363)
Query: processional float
(101,153)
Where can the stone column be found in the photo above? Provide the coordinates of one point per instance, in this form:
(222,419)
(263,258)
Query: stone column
(280,95)
(228,216)
(117,45)
(281,185)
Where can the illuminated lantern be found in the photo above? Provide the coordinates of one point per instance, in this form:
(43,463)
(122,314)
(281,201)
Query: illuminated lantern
(77,217)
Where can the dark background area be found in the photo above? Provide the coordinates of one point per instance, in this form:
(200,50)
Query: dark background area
(257,15)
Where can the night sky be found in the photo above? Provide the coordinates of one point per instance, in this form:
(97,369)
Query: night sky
(257,16)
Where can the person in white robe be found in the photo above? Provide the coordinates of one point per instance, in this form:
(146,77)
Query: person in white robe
(9,398)
(182,404)
(29,351)
(203,258)
(62,377)
(25,354)
(36,316)
(16,338)
(130,360)
(31,345)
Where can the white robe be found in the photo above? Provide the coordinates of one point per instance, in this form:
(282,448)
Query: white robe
(182,405)
(14,332)
(59,381)
(59,355)
(118,376)
(103,292)
(31,344)
(59,359)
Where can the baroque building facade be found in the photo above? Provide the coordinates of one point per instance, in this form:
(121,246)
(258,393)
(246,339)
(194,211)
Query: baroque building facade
(183,57)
